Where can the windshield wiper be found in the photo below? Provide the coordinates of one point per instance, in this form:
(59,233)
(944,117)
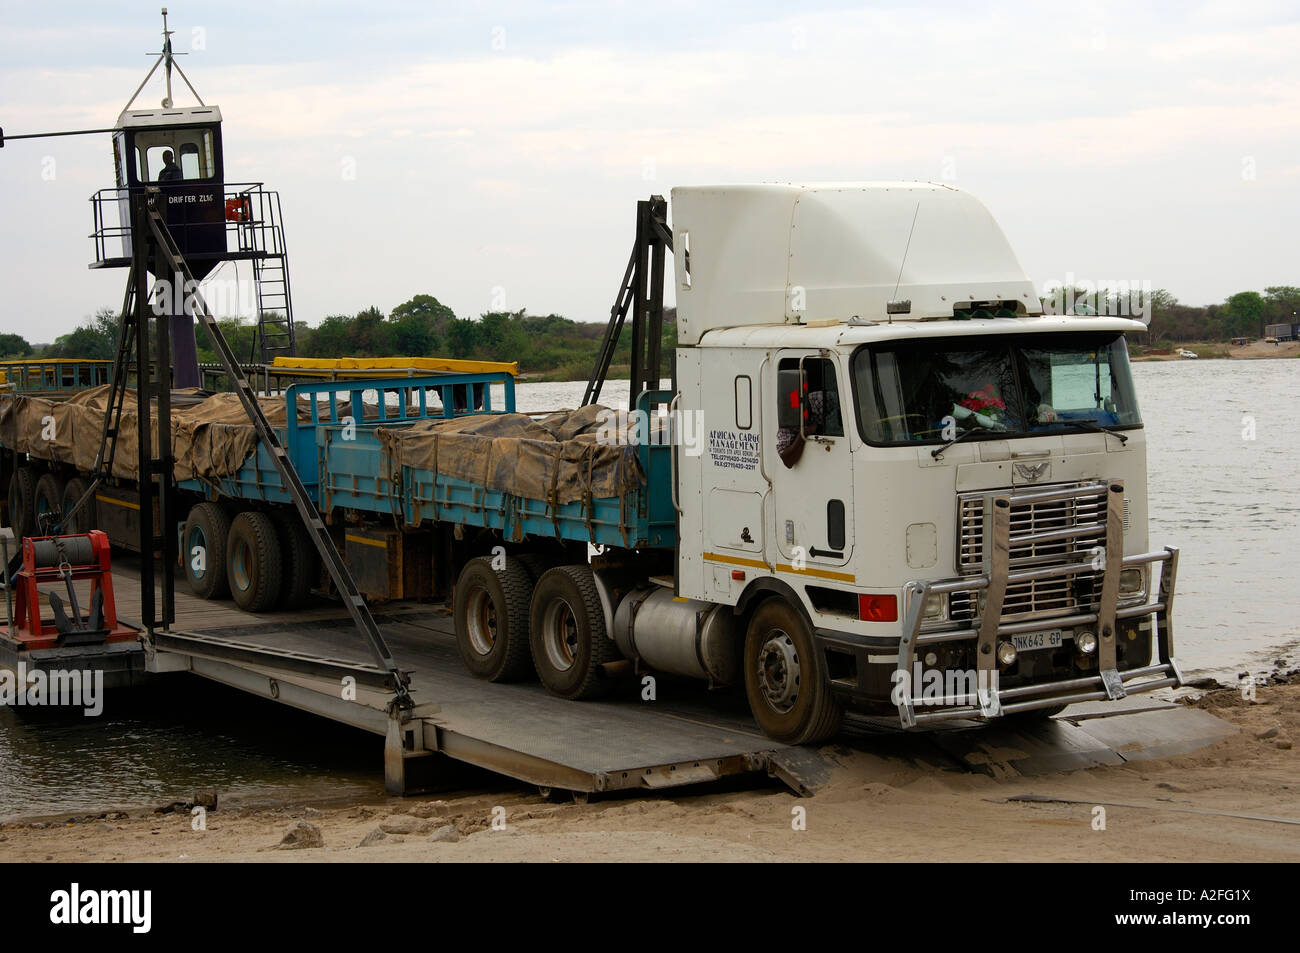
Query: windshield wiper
(1092,427)
(937,452)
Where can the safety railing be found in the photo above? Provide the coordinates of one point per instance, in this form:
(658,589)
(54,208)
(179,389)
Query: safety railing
(251,219)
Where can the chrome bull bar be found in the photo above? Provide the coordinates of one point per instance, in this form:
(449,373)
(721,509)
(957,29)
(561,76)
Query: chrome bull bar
(987,700)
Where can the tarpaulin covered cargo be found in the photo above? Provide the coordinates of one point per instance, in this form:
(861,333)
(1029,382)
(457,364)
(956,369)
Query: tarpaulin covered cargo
(565,457)
(211,434)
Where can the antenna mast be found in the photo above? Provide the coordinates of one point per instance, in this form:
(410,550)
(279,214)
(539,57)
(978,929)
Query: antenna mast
(167,59)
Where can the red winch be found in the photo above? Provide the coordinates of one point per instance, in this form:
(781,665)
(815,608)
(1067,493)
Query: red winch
(64,561)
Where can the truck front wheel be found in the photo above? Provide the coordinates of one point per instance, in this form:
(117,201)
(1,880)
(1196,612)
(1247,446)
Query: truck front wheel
(785,678)
(567,632)
(490,608)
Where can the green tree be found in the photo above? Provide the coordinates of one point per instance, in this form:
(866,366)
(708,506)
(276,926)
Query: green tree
(14,346)
(331,338)
(1243,314)
(372,335)
(420,325)
(1281,305)
(95,339)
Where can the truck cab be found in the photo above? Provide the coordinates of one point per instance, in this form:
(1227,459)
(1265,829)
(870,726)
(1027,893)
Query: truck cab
(918,492)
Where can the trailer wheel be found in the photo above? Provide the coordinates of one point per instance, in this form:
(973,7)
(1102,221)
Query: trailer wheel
(206,532)
(254,562)
(535,563)
(785,677)
(567,634)
(491,613)
(85,520)
(301,561)
(47,499)
(22,492)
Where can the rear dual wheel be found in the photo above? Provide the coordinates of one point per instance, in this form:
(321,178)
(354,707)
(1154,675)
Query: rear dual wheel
(203,550)
(22,492)
(490,608)
(85,519)
(254,562)
(570,644)
(47,503)
(301,561)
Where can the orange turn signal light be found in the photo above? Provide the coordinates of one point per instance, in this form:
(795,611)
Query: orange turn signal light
(877,608)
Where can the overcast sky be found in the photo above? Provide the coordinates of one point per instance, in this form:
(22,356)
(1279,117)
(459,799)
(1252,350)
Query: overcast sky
(477,150)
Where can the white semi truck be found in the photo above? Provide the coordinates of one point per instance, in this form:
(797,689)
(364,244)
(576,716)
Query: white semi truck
(915,492)
(893,485)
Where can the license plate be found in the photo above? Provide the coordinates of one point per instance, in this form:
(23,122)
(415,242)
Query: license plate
(1029,641)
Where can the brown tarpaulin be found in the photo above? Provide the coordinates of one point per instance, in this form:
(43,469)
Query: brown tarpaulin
(211,436)
(564,457)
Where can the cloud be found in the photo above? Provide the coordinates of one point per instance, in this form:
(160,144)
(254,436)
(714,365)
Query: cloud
(478,167)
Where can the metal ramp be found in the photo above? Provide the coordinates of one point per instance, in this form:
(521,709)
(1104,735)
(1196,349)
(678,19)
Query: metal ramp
(689,736)
(518,730)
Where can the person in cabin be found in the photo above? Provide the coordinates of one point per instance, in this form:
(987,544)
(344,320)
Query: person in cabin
(171,172)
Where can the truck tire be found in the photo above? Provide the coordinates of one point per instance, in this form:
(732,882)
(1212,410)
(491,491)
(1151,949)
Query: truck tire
(301,561)
(490,609)
(567,634)
(47,498)
(85,520)
(535,563)
(206,528)
(254,562)
(785,677)
(22,492)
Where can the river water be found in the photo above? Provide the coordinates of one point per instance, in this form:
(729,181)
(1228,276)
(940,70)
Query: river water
(1224,448)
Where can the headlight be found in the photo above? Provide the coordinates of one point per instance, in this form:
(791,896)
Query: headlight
(936,606)
(1006,653)
(1131,582)
(1086,642)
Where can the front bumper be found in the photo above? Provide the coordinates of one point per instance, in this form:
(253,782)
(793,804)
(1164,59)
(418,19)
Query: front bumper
(977,695)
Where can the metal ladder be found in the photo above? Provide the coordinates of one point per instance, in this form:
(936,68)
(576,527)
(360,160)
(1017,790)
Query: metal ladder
(329,553)
(275,331)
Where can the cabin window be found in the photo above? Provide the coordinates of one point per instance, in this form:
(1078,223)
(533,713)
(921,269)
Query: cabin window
(821,394)
(174,155)
(744,403)
(933,390)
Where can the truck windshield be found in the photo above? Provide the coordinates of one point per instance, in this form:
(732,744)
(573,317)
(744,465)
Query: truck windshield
(931,390)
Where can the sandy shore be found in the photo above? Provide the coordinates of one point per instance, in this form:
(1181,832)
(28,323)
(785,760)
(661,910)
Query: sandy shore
(1255,350)
(876,807)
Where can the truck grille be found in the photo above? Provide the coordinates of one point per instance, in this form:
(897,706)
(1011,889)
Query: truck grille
(1058,596)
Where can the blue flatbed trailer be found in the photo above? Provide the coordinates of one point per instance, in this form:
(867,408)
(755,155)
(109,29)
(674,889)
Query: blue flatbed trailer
(347,470)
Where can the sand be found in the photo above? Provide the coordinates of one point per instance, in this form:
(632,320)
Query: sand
(877,807)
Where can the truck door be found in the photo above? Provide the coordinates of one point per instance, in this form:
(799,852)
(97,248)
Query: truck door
(808,457)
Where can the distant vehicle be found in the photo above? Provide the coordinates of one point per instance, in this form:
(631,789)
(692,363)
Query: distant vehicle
(1184,352)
